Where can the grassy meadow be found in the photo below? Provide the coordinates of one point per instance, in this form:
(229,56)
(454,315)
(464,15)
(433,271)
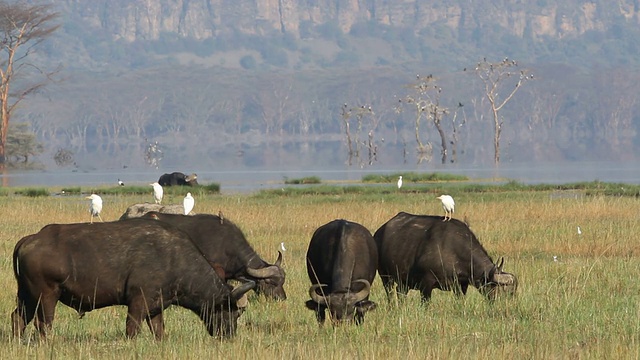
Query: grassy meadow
(585,305)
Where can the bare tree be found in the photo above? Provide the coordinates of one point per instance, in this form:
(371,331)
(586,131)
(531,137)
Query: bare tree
(354,143)
(496,78)
(425,100)
(22,27)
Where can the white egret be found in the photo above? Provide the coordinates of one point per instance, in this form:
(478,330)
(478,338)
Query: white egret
(400,182)
(157,192)
(96,207)
(448,205)
(282,247)
(579,231)
(120,182)
(189,202)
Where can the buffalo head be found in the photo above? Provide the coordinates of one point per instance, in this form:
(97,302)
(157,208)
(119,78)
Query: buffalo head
(270,280)
(499,282)
(343,306)
(223,320)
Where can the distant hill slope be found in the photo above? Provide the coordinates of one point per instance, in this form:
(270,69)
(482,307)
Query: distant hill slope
(336,33)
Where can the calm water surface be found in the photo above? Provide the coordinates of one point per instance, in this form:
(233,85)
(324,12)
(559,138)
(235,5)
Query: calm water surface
(252,179)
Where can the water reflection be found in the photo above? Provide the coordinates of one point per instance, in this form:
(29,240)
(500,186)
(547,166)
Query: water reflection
(252,179)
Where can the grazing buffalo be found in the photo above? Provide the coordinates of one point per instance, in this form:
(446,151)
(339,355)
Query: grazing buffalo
(222,242)
(341,263)
(423,252)
(178,178)
(142,264)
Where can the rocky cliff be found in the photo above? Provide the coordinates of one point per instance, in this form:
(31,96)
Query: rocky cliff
(201,19)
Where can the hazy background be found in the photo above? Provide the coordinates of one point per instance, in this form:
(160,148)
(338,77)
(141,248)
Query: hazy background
(220,87)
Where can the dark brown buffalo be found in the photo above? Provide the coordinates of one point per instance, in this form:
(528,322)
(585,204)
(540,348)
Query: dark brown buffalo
(223,243)
(423,252)
(178,178)
(341,263)
(142,264)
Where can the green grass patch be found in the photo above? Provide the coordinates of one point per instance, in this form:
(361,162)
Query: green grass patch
(413,177)
(177,190)
(76,190)
(32,192)
(303,181)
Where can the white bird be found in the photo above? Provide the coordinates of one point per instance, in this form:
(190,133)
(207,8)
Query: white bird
(189,202)
(120,182)
(282,247)
(448,205)
(555,258)
(95,208)
(157,192)
(579,231)
(400,182)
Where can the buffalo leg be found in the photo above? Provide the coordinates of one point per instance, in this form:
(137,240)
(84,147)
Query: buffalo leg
(22,315)
(136,312)
(45,313)
(388,282)
(426,293)
(156,325)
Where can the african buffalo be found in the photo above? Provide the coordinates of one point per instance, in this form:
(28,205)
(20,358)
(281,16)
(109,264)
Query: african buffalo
(341,263)
(423,252)
(178,178)
(223,243)
(143,264)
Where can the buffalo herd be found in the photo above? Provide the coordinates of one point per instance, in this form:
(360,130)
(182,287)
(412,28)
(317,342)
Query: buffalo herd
(157,260)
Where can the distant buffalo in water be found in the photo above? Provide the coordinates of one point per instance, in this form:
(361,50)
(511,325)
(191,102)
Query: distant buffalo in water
(178,178)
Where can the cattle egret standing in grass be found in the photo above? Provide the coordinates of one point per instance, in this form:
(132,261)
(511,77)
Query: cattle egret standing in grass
(120,182)
(400,182)
(579,231)
(447,204)
(188,203)
(157,192)
(96,207)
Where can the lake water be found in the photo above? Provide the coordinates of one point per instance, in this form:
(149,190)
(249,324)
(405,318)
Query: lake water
(245,180)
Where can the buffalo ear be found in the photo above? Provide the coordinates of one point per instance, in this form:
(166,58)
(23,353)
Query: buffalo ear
(499,264)
(311,305)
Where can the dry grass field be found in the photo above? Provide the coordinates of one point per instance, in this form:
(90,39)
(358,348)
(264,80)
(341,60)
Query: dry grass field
(585,305)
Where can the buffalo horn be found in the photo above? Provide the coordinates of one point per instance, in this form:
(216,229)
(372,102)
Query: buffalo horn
(265,272)
(279,261)
(362,294)
(499,264)
(315,296)
(240,290)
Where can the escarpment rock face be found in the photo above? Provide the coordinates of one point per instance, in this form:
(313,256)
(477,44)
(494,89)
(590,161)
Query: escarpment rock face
(202,19)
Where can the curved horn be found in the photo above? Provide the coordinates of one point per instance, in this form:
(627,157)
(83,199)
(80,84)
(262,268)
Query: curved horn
(265,272)
(315,296)
(239,291)
(279,261)
(499,264)
(362,294)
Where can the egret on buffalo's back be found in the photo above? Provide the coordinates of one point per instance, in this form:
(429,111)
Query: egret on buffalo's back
(157,192)
(96,207)
(448,205)
(188,203)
